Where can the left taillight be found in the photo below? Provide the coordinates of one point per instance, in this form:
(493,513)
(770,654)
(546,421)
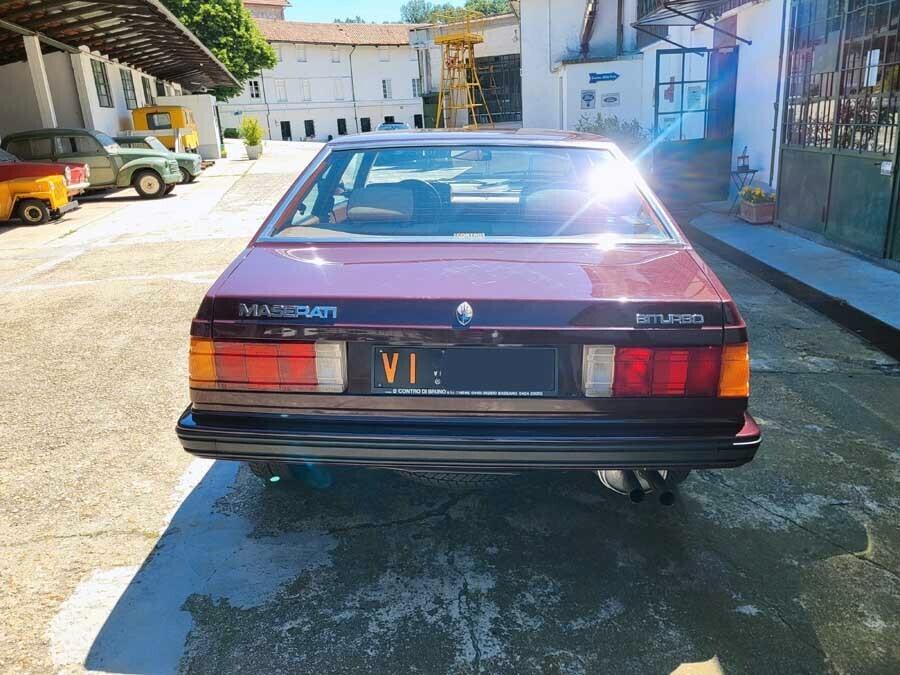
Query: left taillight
(68,175)
(266,366)
(666,371)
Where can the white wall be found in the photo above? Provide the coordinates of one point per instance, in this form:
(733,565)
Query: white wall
(18,105)
(627,89)
(551,34)
(320,73)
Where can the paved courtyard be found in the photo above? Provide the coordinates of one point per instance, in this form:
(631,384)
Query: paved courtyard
(119,553)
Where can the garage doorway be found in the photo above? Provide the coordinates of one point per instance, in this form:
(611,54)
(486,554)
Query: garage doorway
(286,131)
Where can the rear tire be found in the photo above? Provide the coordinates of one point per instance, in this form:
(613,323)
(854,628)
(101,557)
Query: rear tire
(169,188)
(273,472)
(186,176)
(458,480)
(149,184)
(32,212)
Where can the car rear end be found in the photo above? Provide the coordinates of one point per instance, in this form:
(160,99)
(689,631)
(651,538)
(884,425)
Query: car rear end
(471,348)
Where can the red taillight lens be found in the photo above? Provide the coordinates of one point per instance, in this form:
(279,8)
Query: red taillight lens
(303,366)
(687,371)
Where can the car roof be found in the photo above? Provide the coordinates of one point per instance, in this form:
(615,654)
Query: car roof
(54,131)
(513,137)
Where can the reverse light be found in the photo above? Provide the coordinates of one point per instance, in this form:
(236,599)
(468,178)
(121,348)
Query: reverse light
(666,371)
(597,370)
(262,366)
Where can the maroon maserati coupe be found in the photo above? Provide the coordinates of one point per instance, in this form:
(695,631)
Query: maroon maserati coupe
(453,304)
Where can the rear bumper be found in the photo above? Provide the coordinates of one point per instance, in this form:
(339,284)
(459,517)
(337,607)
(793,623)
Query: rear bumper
(467,444)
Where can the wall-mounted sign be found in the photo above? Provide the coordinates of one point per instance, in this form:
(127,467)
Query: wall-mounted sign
(588,99)
(887,168)
(695,98)
(610,100)
(603,77)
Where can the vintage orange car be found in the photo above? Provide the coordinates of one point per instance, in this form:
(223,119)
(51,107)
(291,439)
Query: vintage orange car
(34,200)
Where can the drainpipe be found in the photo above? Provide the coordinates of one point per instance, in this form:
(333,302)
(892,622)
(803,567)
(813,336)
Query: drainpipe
(777,114)
(262,85)
(353,90)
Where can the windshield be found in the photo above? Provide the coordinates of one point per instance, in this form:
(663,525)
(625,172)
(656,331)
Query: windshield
(473,193)
(155,144)
(106,141)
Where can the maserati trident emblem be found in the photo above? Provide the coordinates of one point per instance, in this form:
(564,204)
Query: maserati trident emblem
(464,314)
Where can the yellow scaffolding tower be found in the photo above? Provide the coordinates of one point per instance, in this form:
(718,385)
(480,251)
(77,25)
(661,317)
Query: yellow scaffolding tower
(461,94)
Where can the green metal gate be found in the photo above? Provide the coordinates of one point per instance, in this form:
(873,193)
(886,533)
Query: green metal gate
(838,171)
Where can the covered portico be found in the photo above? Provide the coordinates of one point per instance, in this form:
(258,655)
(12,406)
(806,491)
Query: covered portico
(140,36)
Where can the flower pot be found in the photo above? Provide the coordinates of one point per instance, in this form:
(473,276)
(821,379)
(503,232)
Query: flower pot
(254,151)
(757,213)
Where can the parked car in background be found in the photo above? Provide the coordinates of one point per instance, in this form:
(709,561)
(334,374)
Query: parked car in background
(392,126)
(150,172)
(188,162)
(530,306)
(34,201)
(170,123)
(76,175)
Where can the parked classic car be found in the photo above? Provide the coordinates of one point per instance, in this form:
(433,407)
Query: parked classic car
(151,173)
(521,302)
(34,201)
(188,162)
(174,125)
(75,175)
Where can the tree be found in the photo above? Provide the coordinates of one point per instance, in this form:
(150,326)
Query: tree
(229,32)
(423,11)
(351,19)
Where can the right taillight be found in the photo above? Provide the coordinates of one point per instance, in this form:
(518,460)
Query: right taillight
(666,371)
(734,382)
(266,366)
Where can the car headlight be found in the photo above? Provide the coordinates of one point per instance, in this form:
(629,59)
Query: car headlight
(87,171)
(67,173)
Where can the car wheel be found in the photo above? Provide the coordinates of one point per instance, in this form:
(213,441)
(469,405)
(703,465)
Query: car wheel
(33,212)
(186,176)
(273,472)
(169,188)
(458,480)
(149,184)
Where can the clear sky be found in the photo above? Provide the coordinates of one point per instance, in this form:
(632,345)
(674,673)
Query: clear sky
(369,10)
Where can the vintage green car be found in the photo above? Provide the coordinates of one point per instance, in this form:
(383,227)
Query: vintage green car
(151,173)
(188,162)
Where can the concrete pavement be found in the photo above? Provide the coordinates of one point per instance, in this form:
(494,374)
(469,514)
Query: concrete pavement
(120,554)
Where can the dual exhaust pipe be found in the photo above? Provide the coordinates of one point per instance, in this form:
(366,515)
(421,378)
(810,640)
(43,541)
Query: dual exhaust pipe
(636,484)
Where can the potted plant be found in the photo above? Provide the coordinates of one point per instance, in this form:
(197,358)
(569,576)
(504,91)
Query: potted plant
(757,205)
(252,133)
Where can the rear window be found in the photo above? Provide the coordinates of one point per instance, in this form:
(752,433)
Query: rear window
(473,193)
(161,120)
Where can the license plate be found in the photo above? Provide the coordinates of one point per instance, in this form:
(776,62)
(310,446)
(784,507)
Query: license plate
(464,371)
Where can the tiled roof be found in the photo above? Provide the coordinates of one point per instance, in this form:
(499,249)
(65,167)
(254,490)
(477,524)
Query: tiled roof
(336,33)
(271,3)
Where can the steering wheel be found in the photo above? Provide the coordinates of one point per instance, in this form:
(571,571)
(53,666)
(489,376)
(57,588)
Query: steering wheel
(423,187)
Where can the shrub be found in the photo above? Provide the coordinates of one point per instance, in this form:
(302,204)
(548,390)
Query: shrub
(231,132)
(631,137)
(251,131)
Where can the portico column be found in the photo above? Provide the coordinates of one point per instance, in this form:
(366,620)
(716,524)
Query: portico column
(39,80)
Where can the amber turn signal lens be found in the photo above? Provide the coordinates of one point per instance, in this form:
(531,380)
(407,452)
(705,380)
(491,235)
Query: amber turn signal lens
(202,364)
(734,381)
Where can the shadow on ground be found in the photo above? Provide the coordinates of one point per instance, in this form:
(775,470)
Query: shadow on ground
(375,573)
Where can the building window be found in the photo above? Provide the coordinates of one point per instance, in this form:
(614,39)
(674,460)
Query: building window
(335,55)
(365,124)
(389,119)
(309,128)
(128,87)
(160,88)
(280,91)
(386,89)
(384,54)
(278,53)
(162,120)
(305,90)
(148,90)
(338,90)
(342,126)
(301,53)
(101,82)
(416,87)
(253,87)
(418,122)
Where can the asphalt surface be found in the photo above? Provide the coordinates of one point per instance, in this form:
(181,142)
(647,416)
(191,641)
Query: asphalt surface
(121,554)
